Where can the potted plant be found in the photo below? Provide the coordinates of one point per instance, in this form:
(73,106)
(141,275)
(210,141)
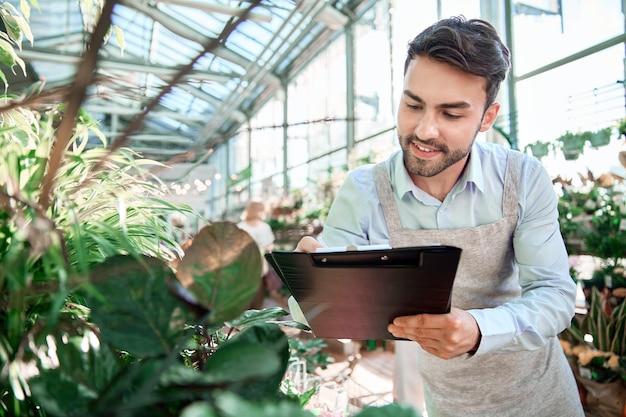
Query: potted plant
(596,347)
(539,149)
(572,144)
(103,314)
(601,137)
(595,342)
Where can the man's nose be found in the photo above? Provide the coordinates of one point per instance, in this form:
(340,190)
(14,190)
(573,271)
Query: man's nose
(427,127)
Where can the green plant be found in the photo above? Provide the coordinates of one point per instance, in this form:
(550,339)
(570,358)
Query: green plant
(599,340)
(575,210)
(600,137)
(98,323)
(311,351)
(606,237)
(621,127)
(539,149)
(572,144)
(94,318)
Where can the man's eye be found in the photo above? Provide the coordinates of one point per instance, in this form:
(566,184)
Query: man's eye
(414,106)
(452,116)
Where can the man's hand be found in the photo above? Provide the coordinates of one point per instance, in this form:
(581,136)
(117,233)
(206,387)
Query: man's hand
(443,335)
(308,244)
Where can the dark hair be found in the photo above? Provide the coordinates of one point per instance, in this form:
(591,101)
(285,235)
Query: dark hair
(470,45)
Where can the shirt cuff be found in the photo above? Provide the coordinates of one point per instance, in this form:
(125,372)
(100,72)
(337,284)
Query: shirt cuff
(496,329)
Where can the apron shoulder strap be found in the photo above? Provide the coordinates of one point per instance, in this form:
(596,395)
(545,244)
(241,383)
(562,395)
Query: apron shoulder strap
(385,196)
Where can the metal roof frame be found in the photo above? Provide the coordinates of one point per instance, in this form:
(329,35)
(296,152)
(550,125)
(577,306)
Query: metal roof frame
(212,100)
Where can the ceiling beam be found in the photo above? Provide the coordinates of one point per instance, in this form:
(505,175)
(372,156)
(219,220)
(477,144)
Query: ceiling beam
(189,33)
(145,137)
(159,151)
(297,20)
(128,111)
(210,7)
(123,65)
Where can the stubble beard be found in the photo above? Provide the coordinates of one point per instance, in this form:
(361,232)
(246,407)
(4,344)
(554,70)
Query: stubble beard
(427,168)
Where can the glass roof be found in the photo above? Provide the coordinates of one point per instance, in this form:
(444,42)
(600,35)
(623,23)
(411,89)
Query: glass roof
(238,62)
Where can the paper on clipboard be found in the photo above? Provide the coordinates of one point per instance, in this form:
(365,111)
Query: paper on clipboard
(354,294)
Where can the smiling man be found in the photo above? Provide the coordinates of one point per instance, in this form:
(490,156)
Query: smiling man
(496,353)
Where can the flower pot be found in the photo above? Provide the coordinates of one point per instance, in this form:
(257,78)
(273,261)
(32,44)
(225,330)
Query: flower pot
(538,149)
(602,399)
(572,144)
(599,399)
(571,154)
(600,138)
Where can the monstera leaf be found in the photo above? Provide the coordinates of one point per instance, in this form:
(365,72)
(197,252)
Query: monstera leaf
(221,270)
(132,306)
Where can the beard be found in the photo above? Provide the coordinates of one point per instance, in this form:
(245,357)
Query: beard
(428,168)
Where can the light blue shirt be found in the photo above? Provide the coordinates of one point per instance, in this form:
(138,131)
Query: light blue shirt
(356,218)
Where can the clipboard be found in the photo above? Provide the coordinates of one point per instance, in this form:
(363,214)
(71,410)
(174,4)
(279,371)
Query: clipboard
(355,294)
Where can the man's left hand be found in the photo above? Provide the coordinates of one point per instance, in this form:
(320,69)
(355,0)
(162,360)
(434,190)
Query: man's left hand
(443,335)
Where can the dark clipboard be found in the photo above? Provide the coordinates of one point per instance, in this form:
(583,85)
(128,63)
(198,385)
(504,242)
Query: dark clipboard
(355,294)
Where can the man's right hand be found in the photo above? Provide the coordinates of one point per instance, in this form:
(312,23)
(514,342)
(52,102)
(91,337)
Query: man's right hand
(308,244)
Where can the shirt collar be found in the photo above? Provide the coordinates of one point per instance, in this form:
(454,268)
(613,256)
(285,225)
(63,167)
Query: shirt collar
(474,170)
(403,184)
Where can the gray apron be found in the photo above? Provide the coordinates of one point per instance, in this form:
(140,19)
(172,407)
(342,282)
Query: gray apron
(536,383)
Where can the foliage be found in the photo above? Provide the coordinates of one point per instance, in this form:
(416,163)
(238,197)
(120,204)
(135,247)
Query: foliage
(311,351)
(601,137)
(607,240)
(17,28)
(539,149)
(598,339)
(621,127)
(573,144)
(597,217)
(94,318)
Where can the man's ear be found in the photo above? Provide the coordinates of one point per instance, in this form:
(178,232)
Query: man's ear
(489,118)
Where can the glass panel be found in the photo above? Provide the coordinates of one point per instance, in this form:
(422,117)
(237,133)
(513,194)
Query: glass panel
(374,104)
(317,96)
(561,31)
(577,102)
(267,141)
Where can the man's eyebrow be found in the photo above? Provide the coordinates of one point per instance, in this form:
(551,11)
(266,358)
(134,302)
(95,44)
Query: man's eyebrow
(412,96)
(455,105)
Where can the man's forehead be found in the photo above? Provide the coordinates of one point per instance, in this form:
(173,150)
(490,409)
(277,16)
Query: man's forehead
(438,83)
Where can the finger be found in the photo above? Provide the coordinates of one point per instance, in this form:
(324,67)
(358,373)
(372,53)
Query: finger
(430,345)
(407,321)
(308,244)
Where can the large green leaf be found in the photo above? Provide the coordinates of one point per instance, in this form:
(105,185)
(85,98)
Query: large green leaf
(272,338)
(73,368)
(242,361)
(133,307)
(232,405)
(222,270)
(252,317)
(618,319)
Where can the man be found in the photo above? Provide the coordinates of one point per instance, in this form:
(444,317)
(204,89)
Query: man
(496,353)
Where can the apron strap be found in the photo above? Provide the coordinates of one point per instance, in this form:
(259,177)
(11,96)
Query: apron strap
(385,196)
